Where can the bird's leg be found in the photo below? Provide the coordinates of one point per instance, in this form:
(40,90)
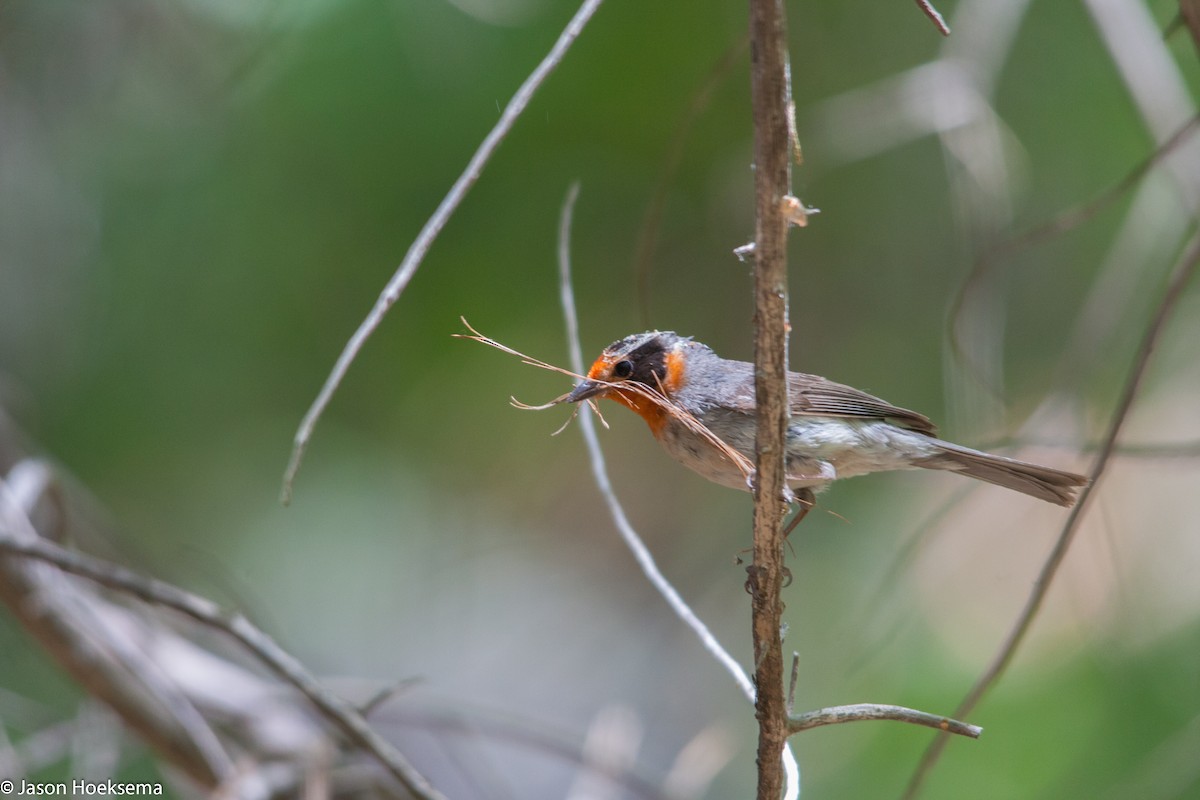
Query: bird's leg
(805,499)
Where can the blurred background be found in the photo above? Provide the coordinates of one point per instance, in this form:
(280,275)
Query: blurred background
(200,200)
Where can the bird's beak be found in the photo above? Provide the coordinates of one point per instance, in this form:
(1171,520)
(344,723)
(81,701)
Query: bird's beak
(586,389)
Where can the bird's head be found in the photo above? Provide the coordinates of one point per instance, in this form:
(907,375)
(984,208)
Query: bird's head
(629,369)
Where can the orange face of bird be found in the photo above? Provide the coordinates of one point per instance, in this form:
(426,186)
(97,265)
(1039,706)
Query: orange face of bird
(634,369)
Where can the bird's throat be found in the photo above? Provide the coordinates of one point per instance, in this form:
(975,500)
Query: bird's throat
(654,414)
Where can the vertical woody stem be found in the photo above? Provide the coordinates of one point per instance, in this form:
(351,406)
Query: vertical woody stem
(770,98)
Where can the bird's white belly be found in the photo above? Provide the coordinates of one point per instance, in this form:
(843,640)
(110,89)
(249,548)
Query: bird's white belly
(820,449)
(854,447)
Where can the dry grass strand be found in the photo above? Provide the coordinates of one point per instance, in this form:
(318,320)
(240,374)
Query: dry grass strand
(656,396)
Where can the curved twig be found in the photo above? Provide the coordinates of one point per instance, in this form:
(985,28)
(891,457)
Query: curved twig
(416,253)
(633,541)
(1184,271)
(1062,222)
(237,627)
(861,712)
(641,553)
(935,16)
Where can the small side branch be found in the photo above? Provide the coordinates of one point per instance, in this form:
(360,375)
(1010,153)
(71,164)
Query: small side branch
(935,16)
(633,541)
(861,712)
(1185,271)
(416,253)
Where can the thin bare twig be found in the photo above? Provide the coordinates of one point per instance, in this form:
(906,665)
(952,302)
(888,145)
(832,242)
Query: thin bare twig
(928,525)
(1183,273)
(78,633)
(633,541)
(770,101)
(416,253)
(791,695)
(872,711)
(935,16)
(387,694)
(207,613)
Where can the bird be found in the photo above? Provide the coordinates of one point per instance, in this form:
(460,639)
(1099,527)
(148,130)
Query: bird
(834,431)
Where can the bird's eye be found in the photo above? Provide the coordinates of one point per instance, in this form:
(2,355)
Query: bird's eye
(623,369)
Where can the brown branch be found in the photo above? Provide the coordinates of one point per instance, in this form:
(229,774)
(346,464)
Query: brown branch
(935,16)
(416,253)
(861,712)
(340,713)
(770,97)
(1185,269)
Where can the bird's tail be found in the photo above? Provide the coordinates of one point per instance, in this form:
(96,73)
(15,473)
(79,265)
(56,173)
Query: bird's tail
(1044,483)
